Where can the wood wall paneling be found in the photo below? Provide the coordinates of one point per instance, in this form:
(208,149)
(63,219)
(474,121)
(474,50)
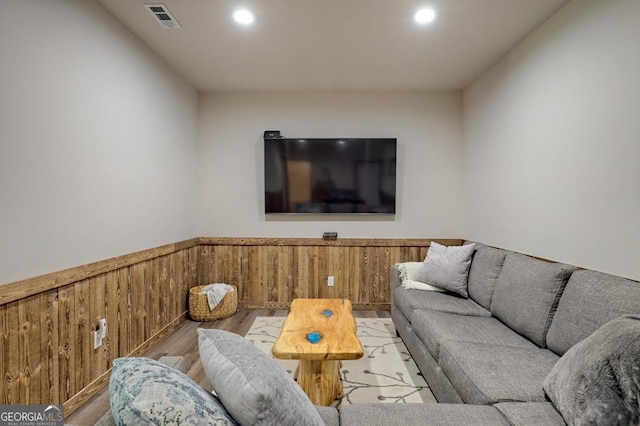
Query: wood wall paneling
(47,322)
(270,273)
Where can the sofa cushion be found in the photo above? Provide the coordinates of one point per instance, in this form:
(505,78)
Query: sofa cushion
(447,267)
(485,268)
(144,391)
(330,415)
(597,382)
(487,373)
(409,300)
(433,328)
(250,384)
(376,414)
(590,300)
(439,383)
(527,294)
(530,413)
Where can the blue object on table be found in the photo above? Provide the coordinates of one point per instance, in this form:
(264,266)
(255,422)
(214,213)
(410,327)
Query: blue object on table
(327,313)
(314,337)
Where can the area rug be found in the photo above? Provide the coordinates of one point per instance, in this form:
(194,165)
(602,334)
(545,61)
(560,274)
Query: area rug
(386,372)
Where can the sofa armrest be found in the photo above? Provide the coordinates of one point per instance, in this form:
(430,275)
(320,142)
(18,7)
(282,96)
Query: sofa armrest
(395,281)
(395,277)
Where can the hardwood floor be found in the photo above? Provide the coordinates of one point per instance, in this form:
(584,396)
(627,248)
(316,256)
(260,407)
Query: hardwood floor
(183,341)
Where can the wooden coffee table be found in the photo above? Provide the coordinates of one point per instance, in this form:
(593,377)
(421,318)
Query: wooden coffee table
(318,372)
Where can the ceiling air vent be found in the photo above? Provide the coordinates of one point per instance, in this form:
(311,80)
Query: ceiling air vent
(162,15)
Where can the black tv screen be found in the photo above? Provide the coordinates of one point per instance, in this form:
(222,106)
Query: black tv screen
(345,175)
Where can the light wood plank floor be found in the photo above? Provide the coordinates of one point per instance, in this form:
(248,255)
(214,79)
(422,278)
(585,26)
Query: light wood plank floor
(184,341)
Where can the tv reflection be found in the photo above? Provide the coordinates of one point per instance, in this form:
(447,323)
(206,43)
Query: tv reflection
(325,188)
(325,195)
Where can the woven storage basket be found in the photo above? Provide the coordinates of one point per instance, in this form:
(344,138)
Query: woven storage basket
(199,306)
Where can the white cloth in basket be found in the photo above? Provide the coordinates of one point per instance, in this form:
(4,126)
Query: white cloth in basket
(215,293)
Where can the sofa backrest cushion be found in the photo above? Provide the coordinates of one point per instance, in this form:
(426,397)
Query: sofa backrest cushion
(527,294)
(590,300)
(485,268)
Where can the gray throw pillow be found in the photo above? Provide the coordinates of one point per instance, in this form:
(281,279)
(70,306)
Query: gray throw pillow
(143,391)
(447,267)
(250,384)
(527,294)
(597,382)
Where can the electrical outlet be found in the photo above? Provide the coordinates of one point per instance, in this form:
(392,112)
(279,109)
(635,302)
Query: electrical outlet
(330,281)
(97,339)
(103,327)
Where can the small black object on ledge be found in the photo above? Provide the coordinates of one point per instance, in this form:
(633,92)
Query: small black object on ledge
(330,236)
(272,134)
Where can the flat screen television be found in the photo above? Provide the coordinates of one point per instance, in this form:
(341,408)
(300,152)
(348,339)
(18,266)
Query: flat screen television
(340,175)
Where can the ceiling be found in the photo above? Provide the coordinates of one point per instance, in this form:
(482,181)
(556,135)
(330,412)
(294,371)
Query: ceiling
(334,44)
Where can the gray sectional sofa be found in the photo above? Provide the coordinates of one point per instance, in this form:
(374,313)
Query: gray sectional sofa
(496,347)
(533,343)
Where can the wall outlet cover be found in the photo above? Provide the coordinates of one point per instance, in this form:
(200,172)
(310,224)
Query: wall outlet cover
(103,327)
(97,339)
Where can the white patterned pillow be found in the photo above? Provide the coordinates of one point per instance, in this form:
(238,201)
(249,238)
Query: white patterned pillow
(143,391)
(408,271)
(417,285)
(447,267)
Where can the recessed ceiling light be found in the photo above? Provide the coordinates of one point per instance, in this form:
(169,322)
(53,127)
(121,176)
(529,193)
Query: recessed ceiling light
(424,16)
(244,17)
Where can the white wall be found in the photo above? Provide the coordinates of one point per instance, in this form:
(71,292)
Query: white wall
(552,141)
(231,169)
(97,140)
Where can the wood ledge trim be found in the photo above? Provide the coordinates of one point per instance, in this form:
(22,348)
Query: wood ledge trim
(340,242)
(31,286)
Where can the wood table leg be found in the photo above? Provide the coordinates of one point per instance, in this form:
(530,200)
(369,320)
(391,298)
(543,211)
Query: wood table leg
(320,380)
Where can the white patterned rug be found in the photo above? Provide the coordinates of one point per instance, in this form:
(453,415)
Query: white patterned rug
(386,372)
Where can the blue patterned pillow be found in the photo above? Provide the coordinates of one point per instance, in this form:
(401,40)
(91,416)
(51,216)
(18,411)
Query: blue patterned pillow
(144,391)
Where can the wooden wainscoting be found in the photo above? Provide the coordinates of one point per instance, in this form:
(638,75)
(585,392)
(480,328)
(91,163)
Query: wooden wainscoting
(270,273)
(47,323)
